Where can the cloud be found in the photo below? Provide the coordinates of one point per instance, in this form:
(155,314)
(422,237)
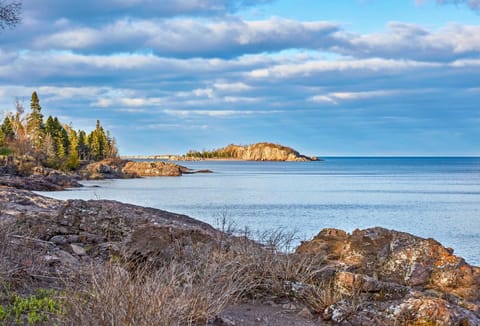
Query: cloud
(193,38)
(472,4)
(218,113)
(315,67)
(337,97)
(97,10)
(415,42)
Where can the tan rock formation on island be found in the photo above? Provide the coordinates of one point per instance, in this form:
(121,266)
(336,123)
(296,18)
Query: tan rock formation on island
(266,152)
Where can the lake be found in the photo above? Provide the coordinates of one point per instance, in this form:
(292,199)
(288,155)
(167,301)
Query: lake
(428,197)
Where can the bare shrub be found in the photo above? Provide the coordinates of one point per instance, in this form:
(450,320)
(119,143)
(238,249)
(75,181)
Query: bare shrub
(193,291)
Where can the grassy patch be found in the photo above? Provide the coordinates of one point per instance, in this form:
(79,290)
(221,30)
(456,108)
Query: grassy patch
(43,306)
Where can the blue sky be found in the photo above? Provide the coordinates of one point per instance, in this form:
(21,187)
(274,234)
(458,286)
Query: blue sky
(347,77)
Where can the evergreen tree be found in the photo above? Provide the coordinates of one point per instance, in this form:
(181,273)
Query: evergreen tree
(7,130)
(2,138)
(73,160)
(97,141)
(83,150)
(62,141)
(35,128)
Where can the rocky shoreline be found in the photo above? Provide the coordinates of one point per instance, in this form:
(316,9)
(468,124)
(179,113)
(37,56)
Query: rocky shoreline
(370,277)
(39,178)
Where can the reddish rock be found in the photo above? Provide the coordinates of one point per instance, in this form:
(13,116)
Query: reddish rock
(394,275)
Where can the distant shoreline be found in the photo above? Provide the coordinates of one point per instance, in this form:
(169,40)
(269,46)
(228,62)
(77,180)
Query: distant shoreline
(175,158)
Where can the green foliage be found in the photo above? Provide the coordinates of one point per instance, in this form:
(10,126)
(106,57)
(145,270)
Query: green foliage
(83,149)
(73,160)
(52,143)
(38,308)
(101,144)
(7,129)
(35,127)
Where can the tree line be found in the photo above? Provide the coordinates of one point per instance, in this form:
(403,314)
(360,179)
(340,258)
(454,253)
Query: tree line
(51,143)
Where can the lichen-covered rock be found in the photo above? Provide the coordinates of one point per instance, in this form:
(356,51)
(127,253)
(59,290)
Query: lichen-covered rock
(395,275)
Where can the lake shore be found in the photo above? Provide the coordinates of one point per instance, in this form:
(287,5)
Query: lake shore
(392,276)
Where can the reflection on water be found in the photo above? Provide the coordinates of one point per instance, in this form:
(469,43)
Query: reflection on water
(429,197)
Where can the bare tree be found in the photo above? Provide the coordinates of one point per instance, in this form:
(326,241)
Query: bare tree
(10,13)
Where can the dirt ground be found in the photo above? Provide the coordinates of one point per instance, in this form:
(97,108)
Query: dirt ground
(267,314)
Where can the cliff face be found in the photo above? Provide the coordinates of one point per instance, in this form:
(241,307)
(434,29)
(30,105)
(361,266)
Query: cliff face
(265,152)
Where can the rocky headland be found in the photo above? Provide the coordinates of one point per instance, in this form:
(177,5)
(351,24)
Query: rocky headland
(255,152)
(27,173)
(369,277)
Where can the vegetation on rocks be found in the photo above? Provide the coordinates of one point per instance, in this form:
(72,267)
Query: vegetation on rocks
(48,142)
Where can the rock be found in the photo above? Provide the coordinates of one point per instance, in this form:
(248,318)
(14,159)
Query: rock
(153,169)
(59,239)
(223,321)
(305,313)
(54,182)
(264,152)
(394,275)
(78,250)
(117,169)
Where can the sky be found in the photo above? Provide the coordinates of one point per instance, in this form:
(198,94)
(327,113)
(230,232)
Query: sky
(328,78)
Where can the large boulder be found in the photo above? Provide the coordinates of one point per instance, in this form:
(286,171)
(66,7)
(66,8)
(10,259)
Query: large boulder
(398,276)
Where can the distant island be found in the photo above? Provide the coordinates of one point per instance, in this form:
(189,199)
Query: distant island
(255,152)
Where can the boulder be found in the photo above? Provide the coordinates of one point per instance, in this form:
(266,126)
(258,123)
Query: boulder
(396,276)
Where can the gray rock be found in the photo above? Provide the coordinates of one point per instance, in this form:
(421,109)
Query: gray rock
(59,239)
(78,250)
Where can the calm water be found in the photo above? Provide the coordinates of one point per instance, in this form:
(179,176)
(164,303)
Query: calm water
(429,197)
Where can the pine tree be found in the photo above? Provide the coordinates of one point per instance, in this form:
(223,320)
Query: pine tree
(97,141)
(35,128)
(7,129)
(2,138)
(83,150)
(73,160)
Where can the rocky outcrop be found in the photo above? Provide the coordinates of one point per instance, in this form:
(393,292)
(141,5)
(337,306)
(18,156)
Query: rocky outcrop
(118,169)
(41,179)
(395,277)
(69,234)
(255,152)
(266,152)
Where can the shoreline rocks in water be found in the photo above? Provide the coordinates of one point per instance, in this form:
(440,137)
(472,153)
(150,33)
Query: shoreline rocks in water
(40,178)
(376,276)
(120,169)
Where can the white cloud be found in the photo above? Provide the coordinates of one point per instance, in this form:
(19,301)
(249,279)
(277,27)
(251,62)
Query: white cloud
(309,68)
(232,87)
(191,37)
(217,113)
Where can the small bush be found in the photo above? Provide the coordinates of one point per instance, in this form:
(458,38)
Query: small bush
(44,306)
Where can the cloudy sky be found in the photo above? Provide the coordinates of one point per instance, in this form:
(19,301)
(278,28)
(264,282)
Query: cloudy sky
(345,77)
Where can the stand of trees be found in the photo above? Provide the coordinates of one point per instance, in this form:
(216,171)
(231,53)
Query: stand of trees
(51,143)
(10,13)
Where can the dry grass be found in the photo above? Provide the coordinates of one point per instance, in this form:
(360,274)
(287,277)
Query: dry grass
(188,290)
(193,292)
